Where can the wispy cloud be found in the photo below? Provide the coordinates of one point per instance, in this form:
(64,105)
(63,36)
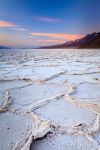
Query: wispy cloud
(67,37)
(20,29)
(6,24)
(47,19)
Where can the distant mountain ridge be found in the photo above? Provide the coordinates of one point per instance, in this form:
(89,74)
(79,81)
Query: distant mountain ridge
(4,47)
(88,41)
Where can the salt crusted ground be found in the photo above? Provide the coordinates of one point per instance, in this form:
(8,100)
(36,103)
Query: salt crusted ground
(50,100)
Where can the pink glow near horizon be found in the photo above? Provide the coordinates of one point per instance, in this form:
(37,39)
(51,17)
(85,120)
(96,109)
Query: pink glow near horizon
(16,39)
(68,37)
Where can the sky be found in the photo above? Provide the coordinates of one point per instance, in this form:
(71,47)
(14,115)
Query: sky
(34,23)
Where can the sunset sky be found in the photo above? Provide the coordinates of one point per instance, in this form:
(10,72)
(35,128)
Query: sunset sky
(33,23)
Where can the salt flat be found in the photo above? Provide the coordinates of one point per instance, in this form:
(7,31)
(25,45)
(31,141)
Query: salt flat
(50,99)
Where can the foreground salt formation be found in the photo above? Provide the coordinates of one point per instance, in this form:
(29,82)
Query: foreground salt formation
(50,99)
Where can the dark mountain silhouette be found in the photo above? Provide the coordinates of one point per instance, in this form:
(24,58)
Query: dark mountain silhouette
(4,47)
(88,41)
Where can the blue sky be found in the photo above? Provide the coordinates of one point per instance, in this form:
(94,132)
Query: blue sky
(32,23)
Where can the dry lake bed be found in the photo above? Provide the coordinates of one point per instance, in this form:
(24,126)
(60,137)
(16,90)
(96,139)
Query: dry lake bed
(50,99)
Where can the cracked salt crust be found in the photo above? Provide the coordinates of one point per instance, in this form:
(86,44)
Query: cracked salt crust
(50,91)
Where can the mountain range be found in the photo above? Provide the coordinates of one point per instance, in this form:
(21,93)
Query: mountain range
(4,47)
(88,41)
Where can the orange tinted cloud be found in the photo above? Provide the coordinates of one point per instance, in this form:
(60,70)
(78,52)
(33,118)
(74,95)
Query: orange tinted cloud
(6,24)
(68,37)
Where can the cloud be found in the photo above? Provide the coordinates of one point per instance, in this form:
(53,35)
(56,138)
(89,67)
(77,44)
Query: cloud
(47,19)
(20,29)
(68,37)
(6,24)
(10,25)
